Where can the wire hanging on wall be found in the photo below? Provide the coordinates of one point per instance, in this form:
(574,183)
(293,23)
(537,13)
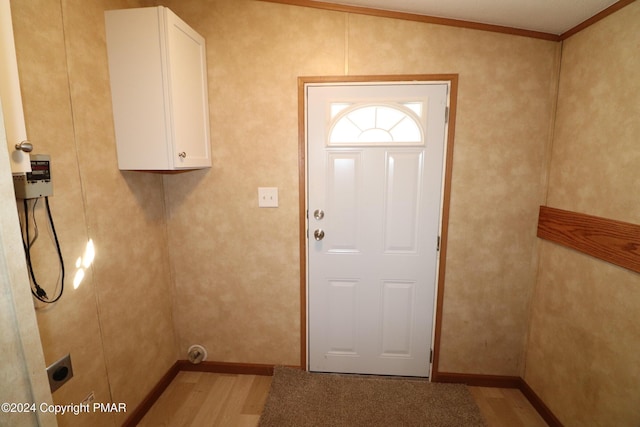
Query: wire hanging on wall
(37,290)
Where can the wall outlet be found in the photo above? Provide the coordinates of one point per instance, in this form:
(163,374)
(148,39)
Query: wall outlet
(268,197)
(60,372)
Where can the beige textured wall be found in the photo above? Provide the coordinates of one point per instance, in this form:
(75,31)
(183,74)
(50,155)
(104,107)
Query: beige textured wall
(583,355)
(118,324)
(236,267)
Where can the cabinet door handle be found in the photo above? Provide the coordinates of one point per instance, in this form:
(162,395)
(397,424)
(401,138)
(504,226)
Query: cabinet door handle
(182,155)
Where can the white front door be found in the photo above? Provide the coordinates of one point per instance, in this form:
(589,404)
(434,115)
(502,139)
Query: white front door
(375,165)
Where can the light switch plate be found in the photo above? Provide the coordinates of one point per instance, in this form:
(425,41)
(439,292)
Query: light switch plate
(268,197)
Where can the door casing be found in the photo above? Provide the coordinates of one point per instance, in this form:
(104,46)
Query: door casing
(452,79)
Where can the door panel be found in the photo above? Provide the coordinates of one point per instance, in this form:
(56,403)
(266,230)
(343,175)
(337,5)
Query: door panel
(397,318)
(375,162)
(342,308)
(402,201)
(343,187)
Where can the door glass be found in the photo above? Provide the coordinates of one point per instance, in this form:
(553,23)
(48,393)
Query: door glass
(376,124)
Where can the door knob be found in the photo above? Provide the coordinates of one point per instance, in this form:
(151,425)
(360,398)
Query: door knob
(25,146)
(318,234)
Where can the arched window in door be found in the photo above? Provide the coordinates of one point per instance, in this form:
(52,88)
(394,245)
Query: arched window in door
(377,124)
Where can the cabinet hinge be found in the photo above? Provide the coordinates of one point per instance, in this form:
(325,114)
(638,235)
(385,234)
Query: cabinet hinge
(431,356)
(438,244)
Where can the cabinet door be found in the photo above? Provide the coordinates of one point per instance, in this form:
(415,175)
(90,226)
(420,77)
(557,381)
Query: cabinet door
(188,91)
(140,114)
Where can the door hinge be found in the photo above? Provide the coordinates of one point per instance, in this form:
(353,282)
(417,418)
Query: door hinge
(446,114)
(431,356)
(438,244)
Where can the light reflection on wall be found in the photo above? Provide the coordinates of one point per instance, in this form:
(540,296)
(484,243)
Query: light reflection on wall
(84,262)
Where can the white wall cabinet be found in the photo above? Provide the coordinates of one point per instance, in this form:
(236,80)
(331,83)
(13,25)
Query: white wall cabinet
(158,73)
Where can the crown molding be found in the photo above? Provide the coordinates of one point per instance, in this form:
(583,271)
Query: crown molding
(418,18)
(455,22)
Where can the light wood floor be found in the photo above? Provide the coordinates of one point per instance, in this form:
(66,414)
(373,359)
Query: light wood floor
(206,399)
(506,407)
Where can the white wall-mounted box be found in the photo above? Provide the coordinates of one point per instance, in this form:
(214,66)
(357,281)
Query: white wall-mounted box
(158,73)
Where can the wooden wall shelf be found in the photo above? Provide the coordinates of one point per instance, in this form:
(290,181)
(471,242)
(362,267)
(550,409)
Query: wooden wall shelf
(613,241)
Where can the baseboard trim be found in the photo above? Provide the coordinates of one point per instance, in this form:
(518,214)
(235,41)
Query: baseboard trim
(478,380)
(539,405)
(155,393)
(227,368)
(500,381)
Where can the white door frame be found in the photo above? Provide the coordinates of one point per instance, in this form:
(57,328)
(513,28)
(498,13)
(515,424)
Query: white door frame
(452,79)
